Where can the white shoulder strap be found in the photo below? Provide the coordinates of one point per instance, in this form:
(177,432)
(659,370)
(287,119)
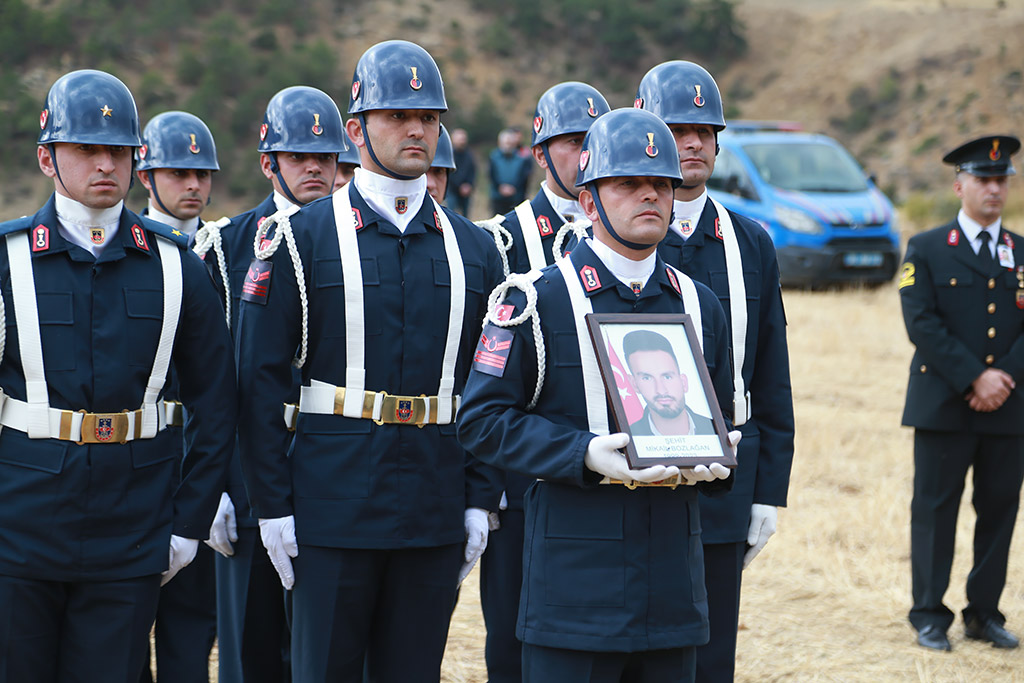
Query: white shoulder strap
(691,303)
(737,310)
(593,386)
(355,329)
(456,312)
(26,314)
(531,235)
(170,265)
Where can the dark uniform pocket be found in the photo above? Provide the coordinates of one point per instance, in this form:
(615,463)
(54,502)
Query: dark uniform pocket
(145,310)
(584,550)
(331,457)
(56,327)
(327,274)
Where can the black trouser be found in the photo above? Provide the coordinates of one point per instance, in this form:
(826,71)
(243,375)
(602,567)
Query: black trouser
(553,665)
(941,461)
(501,577)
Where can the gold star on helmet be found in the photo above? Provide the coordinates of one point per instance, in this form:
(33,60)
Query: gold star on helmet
(107,111)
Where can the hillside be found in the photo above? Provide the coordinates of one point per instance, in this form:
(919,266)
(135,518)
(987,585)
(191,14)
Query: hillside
(897,81)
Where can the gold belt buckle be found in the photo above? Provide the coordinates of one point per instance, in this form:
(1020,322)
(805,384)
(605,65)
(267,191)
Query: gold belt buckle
(403,410)
(104,427)
(632,485)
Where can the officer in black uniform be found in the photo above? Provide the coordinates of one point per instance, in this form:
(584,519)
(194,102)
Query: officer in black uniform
(98,302)
(735,257)
(962,289)
(613,585)
(176,163)
(527,238)
(301,138)
(529,235)
(378,293)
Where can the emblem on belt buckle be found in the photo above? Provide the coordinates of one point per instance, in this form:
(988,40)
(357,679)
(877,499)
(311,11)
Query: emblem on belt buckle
(404,411)
(104,429)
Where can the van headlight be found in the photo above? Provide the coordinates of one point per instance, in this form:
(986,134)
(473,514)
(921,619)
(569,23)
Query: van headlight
(798,221)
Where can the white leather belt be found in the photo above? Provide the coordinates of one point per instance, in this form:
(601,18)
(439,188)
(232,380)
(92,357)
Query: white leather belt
(383,408)
(80,426)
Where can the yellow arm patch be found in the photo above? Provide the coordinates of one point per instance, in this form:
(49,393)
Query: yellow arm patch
(907,275)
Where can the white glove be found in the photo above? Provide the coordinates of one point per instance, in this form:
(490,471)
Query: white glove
(224,530)
(734,441)
(183,551)
(603,456)
(477,525)
(278,537)
(763,519)
(692,475)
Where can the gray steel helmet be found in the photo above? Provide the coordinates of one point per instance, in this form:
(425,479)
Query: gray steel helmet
(569,107)
(89,107)
(628,142)
(681,92)
(396,74)
(444,157)
(177,139)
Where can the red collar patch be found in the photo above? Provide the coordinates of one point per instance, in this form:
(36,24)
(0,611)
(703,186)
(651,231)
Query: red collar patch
(718,229)
(673,280)
(40,238)
(953,238)
(357,217)
(591,282)
(544,225)
(139,236)
(437,222)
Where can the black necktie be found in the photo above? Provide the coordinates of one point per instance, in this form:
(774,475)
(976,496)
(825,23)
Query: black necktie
(984,253)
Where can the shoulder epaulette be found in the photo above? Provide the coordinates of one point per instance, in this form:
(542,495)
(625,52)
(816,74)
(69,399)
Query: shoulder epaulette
(164,230)
(7,227)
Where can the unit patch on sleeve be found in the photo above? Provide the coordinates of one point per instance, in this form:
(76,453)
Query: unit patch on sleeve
(493,349)
(907,275)
(256,286)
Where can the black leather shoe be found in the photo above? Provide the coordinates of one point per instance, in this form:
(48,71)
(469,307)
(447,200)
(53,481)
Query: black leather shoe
(933,638)
(992,632)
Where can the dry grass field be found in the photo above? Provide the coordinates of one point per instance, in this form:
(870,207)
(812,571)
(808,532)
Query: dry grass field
(827,598)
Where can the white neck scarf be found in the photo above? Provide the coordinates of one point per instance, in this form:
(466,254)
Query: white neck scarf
(687,214)
(383,195)
(77,222)
(626,270)
(568,209)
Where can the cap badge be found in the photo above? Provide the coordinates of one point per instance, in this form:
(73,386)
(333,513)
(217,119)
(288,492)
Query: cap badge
(194,148)
(584,159)
(97,235)
(317,128)
(107,111)
(651,150)
(415,83)
(143,151)
(638,103)
(590,109)
(538,123)
(263,132)
(994,154)
(44,115)
(355,90)
(699,99)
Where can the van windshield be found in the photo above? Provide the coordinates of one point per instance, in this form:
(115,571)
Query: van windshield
(806,167)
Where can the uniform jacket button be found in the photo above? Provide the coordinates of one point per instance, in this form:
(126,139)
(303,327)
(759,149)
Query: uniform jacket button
(924,368)
(990,359)
(991,332)
(991,283)
(991,308)
(952,282)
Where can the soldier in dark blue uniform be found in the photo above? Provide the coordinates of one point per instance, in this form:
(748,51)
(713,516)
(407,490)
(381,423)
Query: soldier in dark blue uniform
(98,302)
(441,167)
(176,164)
(962,288)
(301,138)
(377,293)
(613,585)
(529,235)
(735,257)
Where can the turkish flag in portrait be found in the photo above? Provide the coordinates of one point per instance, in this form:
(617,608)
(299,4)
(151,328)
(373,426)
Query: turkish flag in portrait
(631,402)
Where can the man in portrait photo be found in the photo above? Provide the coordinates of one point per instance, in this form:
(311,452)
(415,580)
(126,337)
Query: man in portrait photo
(654,373)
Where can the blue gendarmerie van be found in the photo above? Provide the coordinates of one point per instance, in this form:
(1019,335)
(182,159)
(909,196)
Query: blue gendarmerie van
(828,220)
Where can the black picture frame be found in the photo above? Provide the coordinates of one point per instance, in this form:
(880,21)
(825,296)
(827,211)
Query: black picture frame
(707,441)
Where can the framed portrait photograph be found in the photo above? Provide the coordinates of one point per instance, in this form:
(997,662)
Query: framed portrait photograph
(659,389)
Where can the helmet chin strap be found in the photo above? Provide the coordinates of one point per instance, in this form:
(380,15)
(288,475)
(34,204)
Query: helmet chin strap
(608,224)
(275,168)
(156,196)
(373,155)
(554,172)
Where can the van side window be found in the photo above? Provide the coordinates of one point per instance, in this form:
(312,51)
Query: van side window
(730,176)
